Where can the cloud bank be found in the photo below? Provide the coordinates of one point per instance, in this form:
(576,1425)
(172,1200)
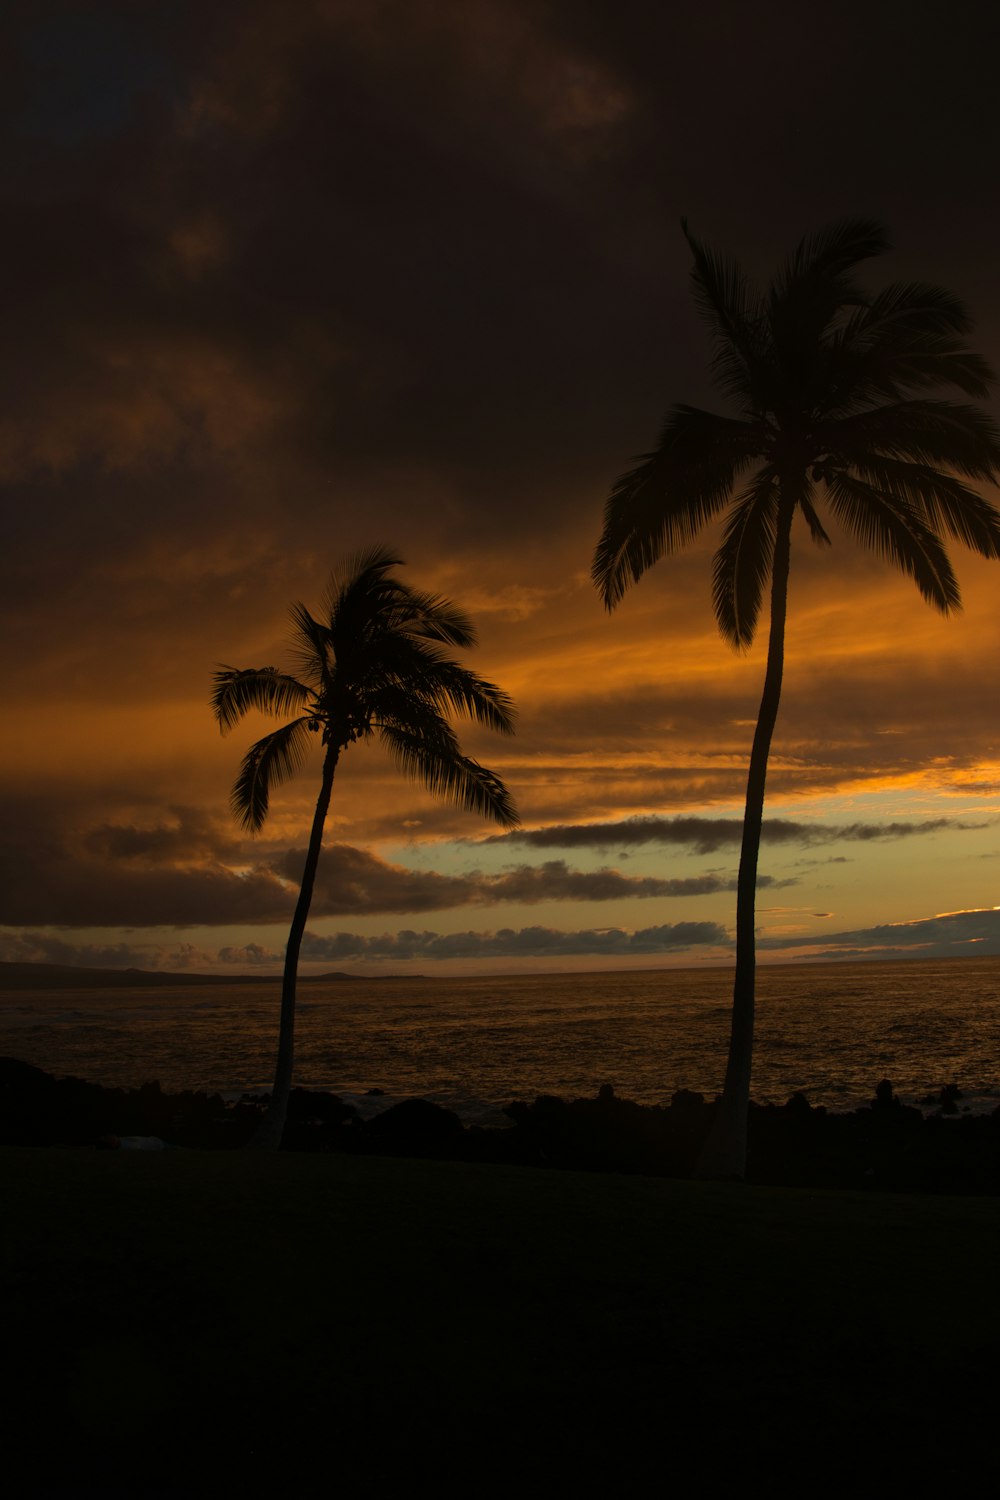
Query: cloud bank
(710,835)
(526,942)
(948,935)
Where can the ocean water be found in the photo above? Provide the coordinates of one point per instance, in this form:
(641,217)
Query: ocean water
(831,1030)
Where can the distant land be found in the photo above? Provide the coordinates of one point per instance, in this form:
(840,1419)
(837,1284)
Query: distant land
(14,976)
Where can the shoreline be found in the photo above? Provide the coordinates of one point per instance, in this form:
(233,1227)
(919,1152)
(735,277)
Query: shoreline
(885,1145)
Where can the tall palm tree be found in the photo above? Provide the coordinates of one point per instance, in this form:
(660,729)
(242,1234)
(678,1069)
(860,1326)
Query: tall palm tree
(829,384)
(370,666)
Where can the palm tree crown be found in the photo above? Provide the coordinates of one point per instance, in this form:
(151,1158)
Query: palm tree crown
(372,666)
(830,385)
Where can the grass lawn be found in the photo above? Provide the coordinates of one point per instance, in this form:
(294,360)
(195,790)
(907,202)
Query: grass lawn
(181,1322)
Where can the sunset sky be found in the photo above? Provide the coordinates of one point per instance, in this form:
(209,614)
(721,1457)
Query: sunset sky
(285,280)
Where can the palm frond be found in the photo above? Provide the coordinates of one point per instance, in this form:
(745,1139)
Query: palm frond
(815,290)
(453,776)
(438,619)
(831,251)
(861,380)
(417,721)
(237,691)
(888,526)
(734,311)
(809,302)
(268,763)
(908,306)
(418,672)
(909,339)
(742,565)
(663,502)
(310,646)
(359,596)
(938,433)
(945,503)
(816,528)
(361,571)
(946,364)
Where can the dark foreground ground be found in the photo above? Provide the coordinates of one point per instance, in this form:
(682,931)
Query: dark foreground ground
(309,1324)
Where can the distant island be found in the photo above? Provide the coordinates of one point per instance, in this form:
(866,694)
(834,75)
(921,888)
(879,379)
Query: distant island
(21,976)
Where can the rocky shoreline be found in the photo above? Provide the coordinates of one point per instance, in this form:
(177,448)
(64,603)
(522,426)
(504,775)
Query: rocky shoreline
(886,1145)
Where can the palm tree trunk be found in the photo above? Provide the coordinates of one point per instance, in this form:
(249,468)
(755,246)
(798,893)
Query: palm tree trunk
(268,1134)
(724,1154)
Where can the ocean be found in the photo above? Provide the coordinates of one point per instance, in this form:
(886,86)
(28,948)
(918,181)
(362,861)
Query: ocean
(474,1044)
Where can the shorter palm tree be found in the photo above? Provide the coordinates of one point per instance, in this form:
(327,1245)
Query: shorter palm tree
(371,666)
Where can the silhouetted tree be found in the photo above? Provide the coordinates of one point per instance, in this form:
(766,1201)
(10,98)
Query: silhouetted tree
(829,384)
(371,666)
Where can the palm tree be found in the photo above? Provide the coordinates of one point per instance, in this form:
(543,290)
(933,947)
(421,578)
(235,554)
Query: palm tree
(372,665)
(830,388)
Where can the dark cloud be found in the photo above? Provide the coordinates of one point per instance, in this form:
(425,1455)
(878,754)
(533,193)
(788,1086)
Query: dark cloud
(343,947)
(554,881)
(953,934)
(191,834)
(527,942)
(44,948)
(304,228)
(192,872)
(123,875)
(299,229)
(354,880)
(78,893)
(709,835)
(949,935)
(250,955)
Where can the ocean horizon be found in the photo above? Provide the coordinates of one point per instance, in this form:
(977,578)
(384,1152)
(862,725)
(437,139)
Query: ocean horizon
(829,1030)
